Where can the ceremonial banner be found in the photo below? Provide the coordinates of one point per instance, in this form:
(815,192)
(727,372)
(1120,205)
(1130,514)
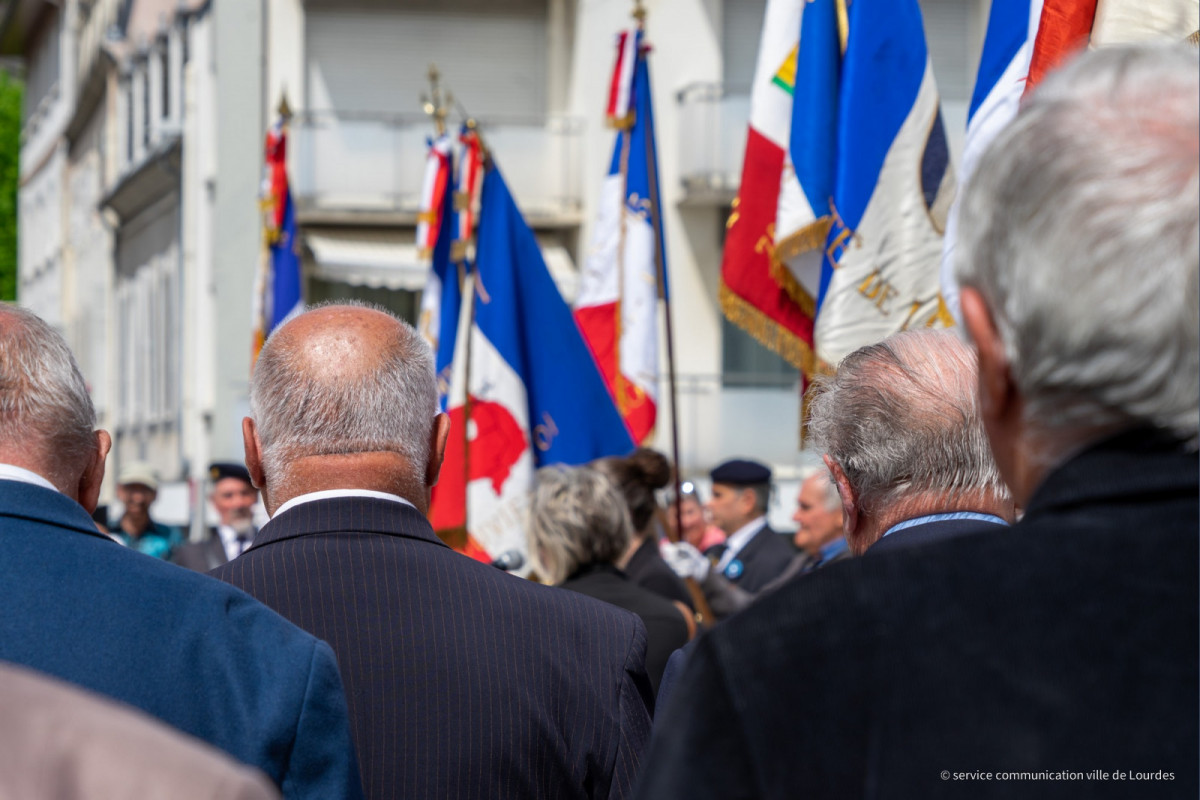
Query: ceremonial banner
(999,86)
(444,230)
(803,215)
(277,288)
(531,395)
(1024,41)
(892,186)
(752,291)
(617,307)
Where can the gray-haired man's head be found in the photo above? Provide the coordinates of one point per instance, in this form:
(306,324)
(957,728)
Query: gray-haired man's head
(47,421)
(1078,252)
(336,388)
(900,428)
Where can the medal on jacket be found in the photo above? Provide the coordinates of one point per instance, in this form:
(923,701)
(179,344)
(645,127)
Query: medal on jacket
(734,569)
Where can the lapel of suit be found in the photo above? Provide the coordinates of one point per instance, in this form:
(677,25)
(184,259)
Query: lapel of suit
(757,542)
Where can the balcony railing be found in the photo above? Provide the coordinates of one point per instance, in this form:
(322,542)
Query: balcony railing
(364,162)
(712,122)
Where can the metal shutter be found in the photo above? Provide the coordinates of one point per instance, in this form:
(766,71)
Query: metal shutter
(741,31)
(368,59)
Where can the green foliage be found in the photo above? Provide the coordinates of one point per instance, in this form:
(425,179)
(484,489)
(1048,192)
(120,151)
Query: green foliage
(10,150)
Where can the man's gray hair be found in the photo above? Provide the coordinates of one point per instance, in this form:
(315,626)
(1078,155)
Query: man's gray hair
(1081,230)
(44,401)
(301,411)
(576,517)
(901,417)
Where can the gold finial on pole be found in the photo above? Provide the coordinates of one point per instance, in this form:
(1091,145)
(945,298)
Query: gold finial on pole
(437,103)
(284,109)
(639,13)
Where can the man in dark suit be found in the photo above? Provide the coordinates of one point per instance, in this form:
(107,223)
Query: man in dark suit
(182,647)
(233,496)
(753,554)
(990,665)
(462,680)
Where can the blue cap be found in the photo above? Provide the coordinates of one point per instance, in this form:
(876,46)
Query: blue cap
(740,472)
(229,469)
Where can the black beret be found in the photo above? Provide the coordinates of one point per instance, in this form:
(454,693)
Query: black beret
(740,472)
(228,469)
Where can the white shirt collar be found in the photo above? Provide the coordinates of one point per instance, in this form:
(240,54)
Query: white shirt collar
(229,540)
(739,539)
(329,493)
(11,472)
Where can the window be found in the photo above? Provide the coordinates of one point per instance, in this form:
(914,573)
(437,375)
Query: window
(164,81)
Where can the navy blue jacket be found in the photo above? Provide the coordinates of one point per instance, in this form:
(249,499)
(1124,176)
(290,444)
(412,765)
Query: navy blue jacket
(1067,643)
(185,648)
(462,680)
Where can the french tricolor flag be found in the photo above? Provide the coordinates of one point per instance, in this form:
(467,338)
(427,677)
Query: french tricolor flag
(1025,40)
(525,392)
(617,306)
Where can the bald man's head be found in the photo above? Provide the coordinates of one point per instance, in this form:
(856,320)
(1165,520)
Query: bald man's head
(341,380)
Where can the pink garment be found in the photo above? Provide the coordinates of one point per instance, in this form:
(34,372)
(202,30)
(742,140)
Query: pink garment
(712,536)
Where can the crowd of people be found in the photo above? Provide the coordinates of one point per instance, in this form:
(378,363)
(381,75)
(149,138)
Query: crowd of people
(996,570)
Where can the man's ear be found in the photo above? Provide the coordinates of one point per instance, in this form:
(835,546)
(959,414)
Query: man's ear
(997,390)
(253,449)
(88,492)
(437,448)
(846,492)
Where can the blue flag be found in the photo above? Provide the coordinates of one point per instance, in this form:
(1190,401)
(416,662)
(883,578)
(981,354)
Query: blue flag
(572,418)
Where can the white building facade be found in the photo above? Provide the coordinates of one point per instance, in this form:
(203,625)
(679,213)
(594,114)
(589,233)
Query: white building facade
(142,156)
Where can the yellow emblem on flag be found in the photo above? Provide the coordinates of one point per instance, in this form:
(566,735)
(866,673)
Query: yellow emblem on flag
(785,76)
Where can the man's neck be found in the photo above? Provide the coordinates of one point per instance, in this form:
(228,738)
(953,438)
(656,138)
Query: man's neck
(1040,451)
(872,528)
(385,472)
(135,526)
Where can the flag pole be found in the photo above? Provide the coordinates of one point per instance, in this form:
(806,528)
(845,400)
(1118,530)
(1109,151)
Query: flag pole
(660,263)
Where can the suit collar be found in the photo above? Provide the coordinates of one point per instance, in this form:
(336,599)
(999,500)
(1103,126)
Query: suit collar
(21,500)
(343,514)
(1133,464)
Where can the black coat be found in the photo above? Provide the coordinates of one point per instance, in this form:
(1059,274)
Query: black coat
(1068,643)
(666,629)
(462,680)
(647,569)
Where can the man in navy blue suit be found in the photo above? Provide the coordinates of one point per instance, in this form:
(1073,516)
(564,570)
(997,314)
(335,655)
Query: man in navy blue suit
(462,680)
(901,434)
(189,650)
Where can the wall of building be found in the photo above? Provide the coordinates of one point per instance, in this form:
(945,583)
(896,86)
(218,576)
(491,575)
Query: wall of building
(238,63)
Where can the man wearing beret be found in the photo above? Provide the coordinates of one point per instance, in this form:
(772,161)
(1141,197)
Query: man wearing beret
(753,554)
(234,496)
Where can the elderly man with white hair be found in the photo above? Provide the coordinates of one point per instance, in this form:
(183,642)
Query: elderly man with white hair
(1047,659)
(182,647)
(903,439)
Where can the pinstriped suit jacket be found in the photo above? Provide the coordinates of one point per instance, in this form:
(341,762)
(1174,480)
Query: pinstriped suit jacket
(462,680)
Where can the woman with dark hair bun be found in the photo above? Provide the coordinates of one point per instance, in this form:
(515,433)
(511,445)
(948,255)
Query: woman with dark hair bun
(638,476)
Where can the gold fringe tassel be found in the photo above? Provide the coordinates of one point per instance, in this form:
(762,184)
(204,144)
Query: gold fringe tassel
(810,237)
(769,333)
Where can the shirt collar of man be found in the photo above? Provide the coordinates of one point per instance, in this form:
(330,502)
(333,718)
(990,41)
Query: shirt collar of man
(833,549)
(976,515)
(11,472)
(739,539)
(331,493)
